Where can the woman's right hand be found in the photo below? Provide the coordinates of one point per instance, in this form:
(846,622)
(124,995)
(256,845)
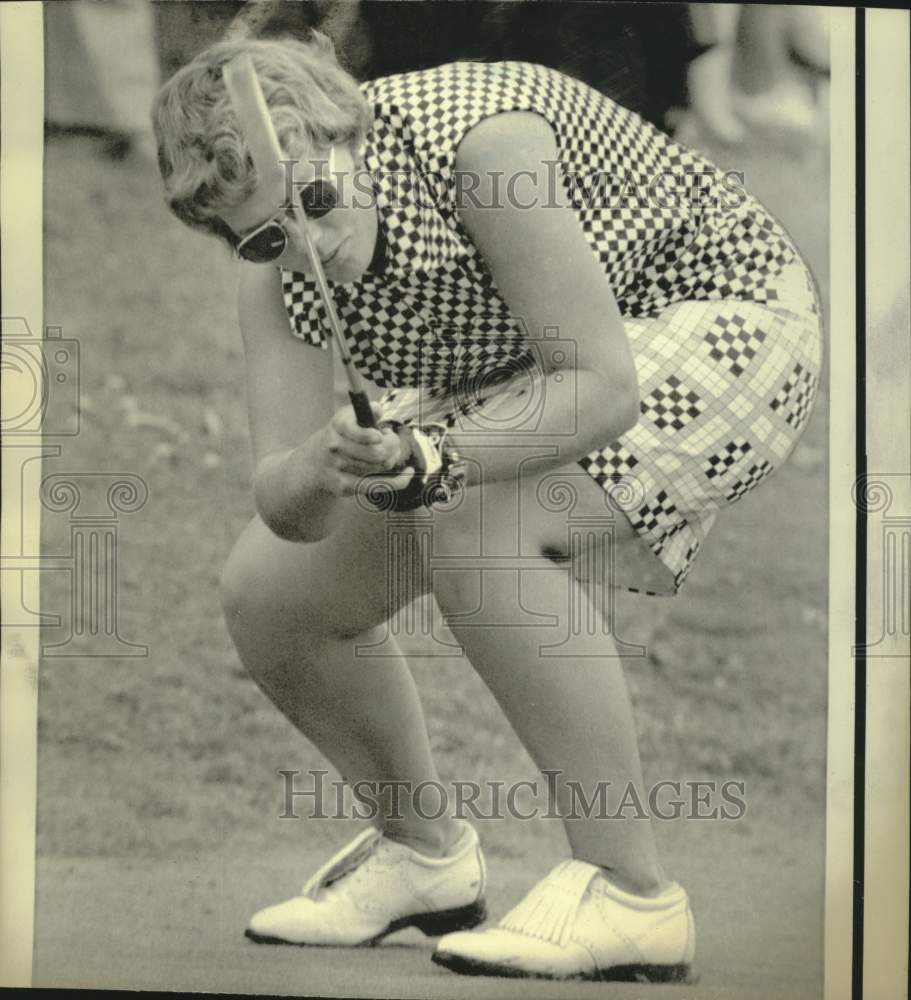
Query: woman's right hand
(346,452)
(306,454)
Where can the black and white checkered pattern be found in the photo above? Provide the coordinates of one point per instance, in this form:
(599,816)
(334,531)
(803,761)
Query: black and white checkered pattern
(795,399)
(754,476)
(733,454)
(719,310)
(672,405)
(655,515)
(630,184)
(610,464)
(734,341)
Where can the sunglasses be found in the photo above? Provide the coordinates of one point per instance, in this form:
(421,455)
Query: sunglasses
(270,240)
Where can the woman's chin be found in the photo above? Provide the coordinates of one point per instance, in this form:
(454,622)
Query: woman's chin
(344,275)
(346,271)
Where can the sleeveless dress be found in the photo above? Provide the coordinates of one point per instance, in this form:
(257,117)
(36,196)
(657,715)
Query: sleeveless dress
(721,313)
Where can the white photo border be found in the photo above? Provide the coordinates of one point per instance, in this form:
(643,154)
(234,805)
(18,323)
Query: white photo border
(885,724)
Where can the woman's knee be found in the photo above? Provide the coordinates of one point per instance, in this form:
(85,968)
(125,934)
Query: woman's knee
(243,587)
(274,633)
(274,589)
(257,583)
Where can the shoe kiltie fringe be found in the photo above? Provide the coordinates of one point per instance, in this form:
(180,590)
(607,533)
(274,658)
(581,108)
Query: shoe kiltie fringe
(549,911)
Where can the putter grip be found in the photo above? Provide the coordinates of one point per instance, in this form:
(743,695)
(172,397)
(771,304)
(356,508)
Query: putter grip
(362,409)
(254,119)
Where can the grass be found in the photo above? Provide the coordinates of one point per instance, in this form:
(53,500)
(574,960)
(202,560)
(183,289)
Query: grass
(178,752)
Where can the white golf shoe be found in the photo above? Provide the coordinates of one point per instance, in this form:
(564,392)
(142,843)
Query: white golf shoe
(576,925)
(375,886)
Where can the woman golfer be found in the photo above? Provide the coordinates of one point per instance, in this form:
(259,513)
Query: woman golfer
(549,290)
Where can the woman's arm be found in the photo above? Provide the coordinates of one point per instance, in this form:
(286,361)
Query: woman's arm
(289,399)
(306,456)
(549,277)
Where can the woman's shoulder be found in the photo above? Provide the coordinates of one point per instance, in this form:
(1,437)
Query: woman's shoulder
(434,108)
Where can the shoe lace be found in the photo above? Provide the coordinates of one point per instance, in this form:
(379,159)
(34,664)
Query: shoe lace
(348,860)
(376,861)
(364,856)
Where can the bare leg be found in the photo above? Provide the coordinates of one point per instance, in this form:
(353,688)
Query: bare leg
(572,714)
(296,613)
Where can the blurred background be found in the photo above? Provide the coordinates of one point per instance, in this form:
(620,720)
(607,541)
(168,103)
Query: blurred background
(734,65)
(159,788)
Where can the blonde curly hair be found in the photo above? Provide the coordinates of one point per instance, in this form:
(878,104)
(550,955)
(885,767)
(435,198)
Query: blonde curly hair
(204,161)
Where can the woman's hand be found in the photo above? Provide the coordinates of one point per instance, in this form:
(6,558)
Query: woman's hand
(307,456)
(346,452)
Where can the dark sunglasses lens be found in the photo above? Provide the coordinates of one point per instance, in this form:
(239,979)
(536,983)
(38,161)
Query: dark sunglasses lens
(318,198)
(267,245)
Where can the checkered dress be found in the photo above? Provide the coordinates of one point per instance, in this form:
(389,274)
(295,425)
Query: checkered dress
(720,311)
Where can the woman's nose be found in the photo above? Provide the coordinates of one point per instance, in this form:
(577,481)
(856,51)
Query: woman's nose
(300,227)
